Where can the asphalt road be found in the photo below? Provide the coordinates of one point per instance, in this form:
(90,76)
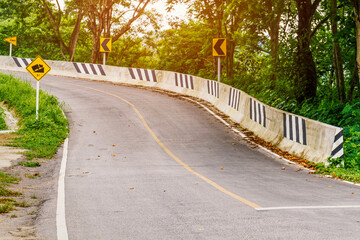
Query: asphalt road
(172,171)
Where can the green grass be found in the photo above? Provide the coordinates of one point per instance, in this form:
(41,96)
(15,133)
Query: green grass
(7,200)
(40,137)
(6,178)
(7,207)
(30,164)
(8,193)
(3,125)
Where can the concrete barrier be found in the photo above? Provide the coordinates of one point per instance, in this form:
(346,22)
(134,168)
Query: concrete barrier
(300,136)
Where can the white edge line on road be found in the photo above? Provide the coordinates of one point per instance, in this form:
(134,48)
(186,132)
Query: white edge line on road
(61,228)
(263,148)
(305,207)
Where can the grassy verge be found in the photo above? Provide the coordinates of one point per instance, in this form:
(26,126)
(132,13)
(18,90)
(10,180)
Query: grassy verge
(3,125)
(40,137)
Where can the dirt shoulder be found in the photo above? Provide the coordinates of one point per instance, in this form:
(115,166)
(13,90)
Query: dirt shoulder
(35,186)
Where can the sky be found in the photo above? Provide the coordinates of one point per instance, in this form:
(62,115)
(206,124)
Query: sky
(179,11)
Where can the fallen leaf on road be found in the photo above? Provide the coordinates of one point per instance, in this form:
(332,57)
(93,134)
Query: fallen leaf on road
(283,168)
(222,168)
(85,172)
(131,188)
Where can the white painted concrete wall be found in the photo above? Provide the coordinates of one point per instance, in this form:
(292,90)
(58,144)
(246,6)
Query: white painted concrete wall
(311,140)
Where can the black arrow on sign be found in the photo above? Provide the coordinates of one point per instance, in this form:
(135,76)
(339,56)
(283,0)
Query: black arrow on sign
(217,46)
(104,43)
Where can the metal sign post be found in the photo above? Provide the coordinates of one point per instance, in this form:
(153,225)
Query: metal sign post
(37,98)
(10,49)
(219,69)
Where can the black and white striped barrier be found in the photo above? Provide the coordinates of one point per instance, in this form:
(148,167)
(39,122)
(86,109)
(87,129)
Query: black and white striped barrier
(294,128)
(257,112)
(89,68)
(22,62)
(234,98)
(184,81)
(213,88)
(143,74)
(338,149)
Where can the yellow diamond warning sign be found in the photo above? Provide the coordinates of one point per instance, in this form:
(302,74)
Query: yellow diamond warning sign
(38,68)
(12,40)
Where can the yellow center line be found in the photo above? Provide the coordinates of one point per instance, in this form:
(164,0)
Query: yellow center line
(212,183)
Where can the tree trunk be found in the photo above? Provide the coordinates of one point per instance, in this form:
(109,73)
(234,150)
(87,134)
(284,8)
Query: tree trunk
(277,7)
(95,54)
(338,63)
(358,44)
(306,80)
(356,5)
(230,58)
(75,34)
(352,84)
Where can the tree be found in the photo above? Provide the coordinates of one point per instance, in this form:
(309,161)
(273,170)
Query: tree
(25,19)
(356,5)
(186,48)
(111,18)
(56,22)
(306,79)
(338,62)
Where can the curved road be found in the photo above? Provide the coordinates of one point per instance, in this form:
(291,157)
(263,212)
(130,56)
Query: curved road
(143,165)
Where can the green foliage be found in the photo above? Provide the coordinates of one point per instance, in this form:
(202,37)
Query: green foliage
(6,178)
(6,208)
(186,48)
(30,164)
(25,19)
(3,125)
(41,137)
(346,116)
(8,193)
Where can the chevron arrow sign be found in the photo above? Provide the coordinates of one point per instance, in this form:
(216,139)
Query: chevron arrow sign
(219,47)
(105,44)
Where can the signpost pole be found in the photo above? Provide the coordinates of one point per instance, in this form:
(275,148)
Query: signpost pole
(104,59)
(37,99)
(10,49)
(219,69)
